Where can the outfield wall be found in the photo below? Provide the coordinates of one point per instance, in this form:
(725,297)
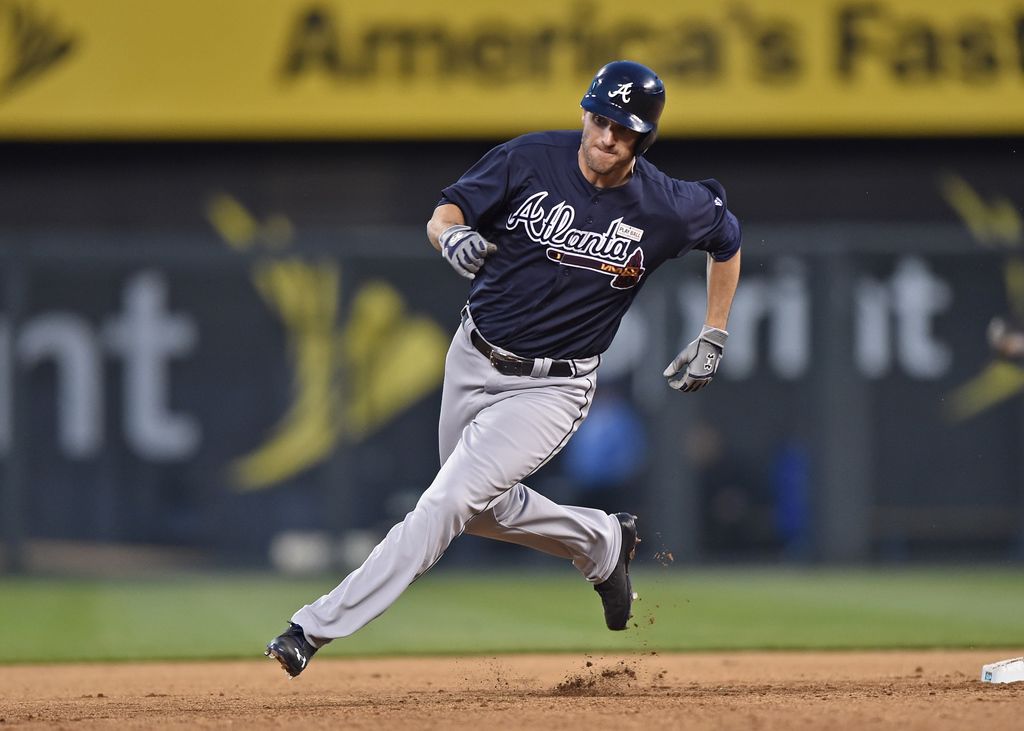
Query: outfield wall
(204,346)
(212,387)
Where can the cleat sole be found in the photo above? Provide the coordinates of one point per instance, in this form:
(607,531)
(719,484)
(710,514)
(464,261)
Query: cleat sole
(271,653)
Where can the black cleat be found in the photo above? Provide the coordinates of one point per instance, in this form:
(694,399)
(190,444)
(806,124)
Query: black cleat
(291,649)
(616,591)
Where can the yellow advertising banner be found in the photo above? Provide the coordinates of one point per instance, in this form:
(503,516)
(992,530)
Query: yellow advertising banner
(350,69)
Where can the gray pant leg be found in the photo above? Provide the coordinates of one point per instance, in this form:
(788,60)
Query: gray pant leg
(517,426)
(586,536)
(589,538)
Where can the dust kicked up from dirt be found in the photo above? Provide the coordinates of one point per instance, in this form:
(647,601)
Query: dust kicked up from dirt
(622,677)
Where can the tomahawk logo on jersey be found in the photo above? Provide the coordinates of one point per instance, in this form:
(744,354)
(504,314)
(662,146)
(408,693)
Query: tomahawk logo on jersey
(562,241)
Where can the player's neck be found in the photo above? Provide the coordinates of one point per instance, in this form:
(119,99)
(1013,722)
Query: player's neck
(619,176)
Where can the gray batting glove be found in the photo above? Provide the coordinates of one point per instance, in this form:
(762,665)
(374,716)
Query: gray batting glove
(465,249)
(695,366)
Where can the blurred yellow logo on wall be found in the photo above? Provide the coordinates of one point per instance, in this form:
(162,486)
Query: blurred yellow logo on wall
(350,374)
(31,43)
(487,68)
(995,224)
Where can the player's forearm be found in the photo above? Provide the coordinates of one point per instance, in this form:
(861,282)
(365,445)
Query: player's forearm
(445,216)
(723,276)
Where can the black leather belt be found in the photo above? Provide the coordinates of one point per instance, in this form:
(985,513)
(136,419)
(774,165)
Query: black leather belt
(511,365)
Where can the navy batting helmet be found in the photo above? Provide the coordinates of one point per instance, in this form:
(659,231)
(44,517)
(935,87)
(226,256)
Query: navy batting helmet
(629,94)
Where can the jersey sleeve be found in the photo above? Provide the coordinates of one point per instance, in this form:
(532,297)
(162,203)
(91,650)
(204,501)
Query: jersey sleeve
(482,189)
(712,227)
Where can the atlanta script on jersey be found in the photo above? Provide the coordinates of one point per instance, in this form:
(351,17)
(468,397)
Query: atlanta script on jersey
(571,257)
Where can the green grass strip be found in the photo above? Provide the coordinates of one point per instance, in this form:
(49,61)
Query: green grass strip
(447,612)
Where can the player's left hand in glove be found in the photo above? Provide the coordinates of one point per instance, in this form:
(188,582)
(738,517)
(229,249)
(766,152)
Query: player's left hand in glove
(695,366)
(465,249)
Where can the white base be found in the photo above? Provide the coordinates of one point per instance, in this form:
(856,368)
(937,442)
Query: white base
(1006,671)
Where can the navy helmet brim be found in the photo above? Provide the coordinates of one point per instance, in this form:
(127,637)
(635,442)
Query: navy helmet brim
(616,113)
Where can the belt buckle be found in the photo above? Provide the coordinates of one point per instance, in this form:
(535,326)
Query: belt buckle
(505,365)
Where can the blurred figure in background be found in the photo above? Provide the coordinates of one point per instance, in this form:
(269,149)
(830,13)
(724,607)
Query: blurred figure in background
(791,485)
(1006,338)
(732,500)
(751,505)
(606,458)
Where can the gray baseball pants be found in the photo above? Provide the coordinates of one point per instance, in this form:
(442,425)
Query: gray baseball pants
(494,431)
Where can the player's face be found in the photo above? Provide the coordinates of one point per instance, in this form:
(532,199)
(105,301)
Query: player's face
(607,147)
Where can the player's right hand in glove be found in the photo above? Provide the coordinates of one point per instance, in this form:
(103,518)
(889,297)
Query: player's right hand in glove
(465,249)
(695,366)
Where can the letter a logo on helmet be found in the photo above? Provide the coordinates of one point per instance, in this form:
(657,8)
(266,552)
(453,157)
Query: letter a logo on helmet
(630,94)
(622,91)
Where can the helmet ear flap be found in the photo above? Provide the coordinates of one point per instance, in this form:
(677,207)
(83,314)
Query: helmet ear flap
(643,144)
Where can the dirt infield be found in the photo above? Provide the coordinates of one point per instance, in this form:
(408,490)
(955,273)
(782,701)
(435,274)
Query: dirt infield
(911,690)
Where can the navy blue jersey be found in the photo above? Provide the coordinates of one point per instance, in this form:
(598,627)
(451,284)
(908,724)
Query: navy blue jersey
(571,257)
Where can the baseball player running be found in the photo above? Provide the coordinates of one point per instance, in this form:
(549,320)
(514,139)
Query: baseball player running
(558,233)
